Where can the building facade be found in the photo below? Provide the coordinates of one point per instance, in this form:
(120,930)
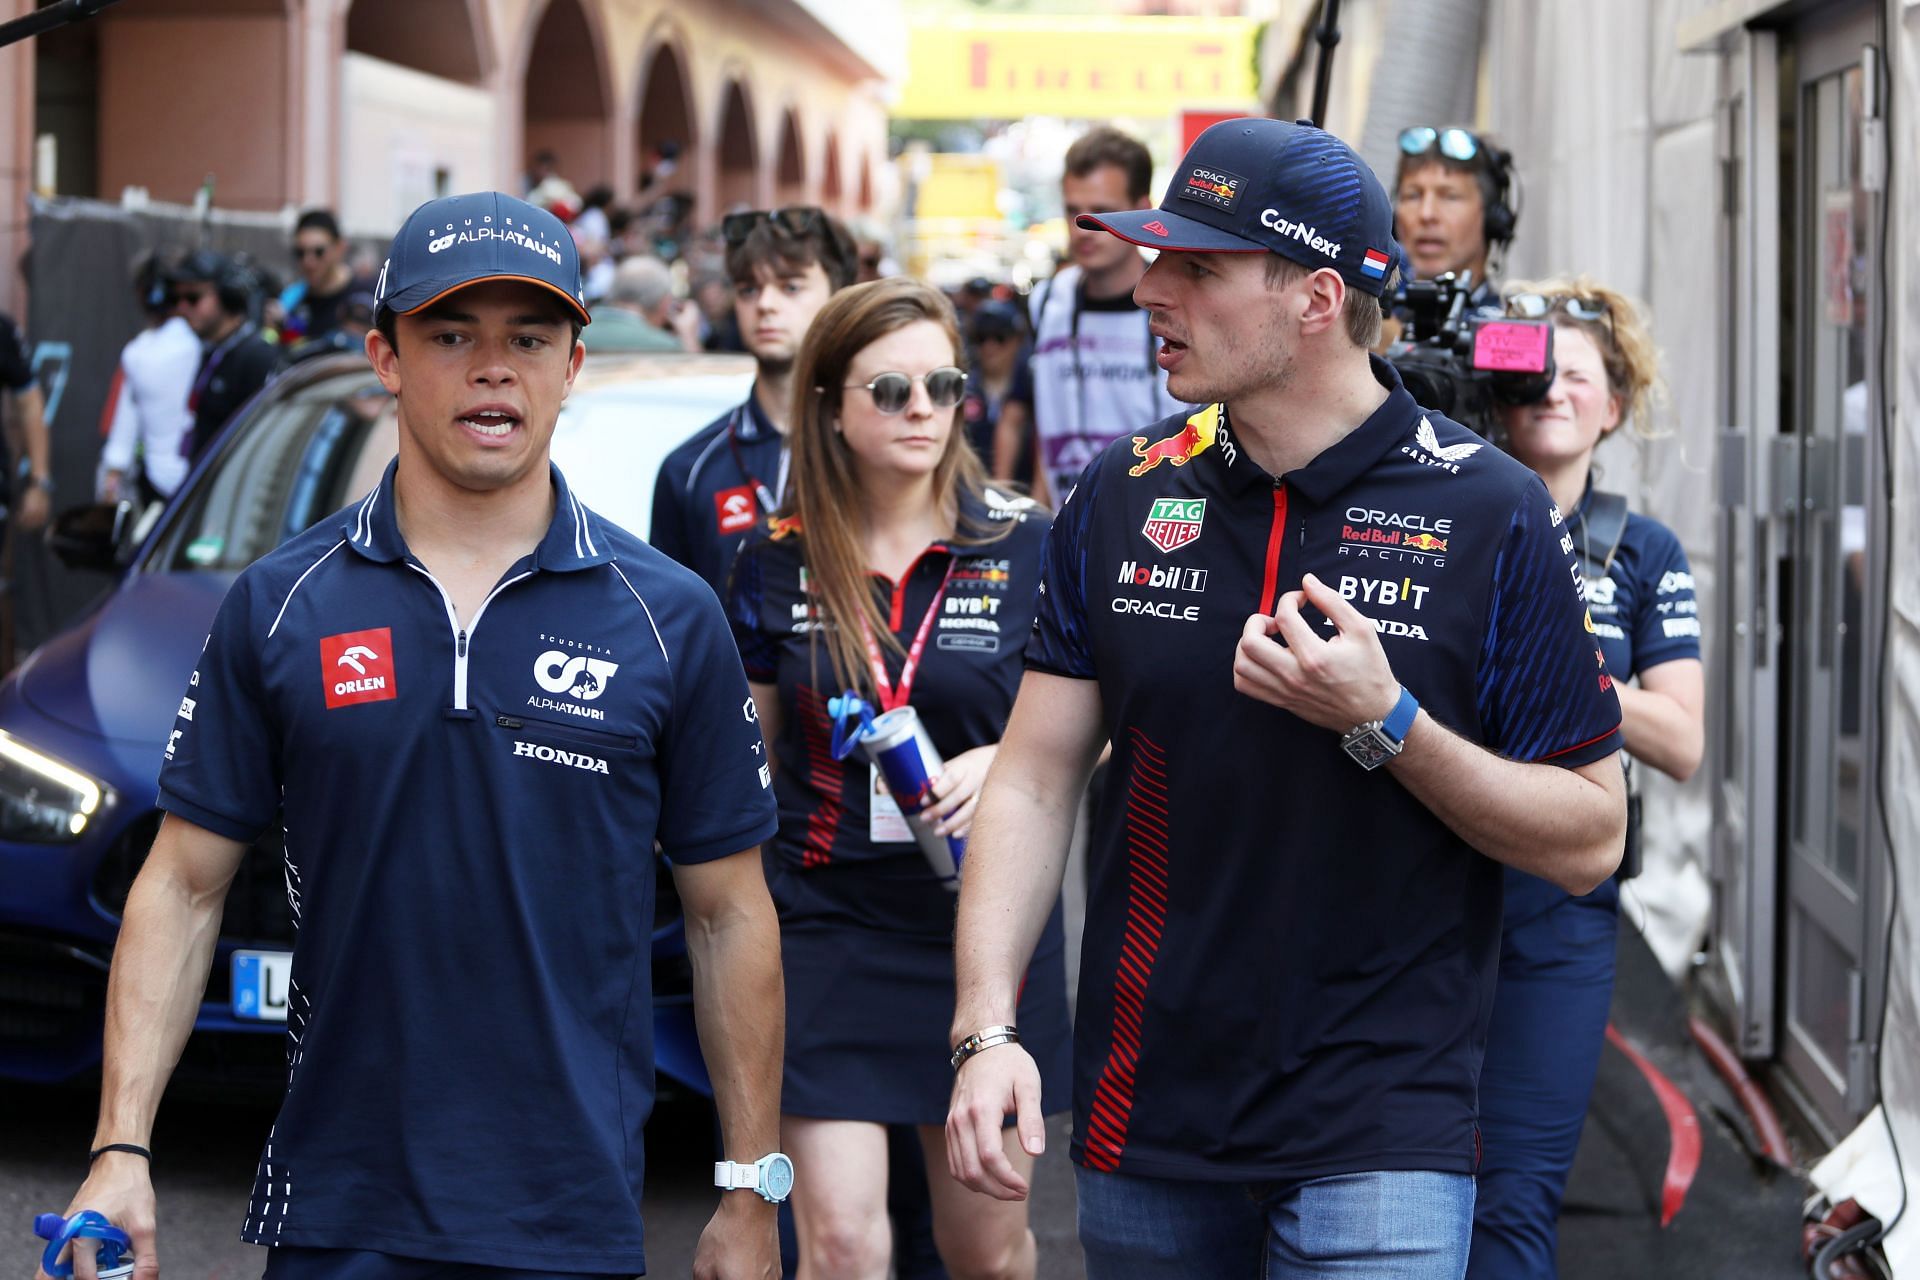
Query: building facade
(371,106)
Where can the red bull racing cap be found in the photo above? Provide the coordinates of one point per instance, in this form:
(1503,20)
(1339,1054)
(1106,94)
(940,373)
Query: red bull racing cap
(1267,186)
(456,241)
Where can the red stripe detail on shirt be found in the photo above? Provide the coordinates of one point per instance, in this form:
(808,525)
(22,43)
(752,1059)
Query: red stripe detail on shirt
(1576,746)
(1276,538)
(825,775)
(1112,1108)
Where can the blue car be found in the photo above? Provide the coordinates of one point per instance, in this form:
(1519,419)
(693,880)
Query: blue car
(84,720)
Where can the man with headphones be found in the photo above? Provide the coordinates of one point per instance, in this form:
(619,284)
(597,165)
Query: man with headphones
(151,389)
(215,295)
(1454,206)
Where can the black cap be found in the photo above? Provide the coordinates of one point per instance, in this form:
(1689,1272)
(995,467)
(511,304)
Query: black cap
(456,241)
(1266,186)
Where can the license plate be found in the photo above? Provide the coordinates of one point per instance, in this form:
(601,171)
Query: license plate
(260,981)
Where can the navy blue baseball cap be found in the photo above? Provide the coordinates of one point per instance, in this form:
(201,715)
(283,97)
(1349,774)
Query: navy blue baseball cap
(455,241)
(1267,186)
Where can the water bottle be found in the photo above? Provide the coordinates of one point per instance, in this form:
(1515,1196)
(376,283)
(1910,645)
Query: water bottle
(114,1258)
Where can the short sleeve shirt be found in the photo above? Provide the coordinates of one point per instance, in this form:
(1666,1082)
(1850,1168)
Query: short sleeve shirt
(1644,613)
(980,601)
(1289,962)
(1095,378)
(714,487)
(470,812)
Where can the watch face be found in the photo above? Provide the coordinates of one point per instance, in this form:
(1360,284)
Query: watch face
(1369,749)
(779,1177)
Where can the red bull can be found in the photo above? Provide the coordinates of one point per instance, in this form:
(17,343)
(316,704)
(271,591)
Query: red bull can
(907,759)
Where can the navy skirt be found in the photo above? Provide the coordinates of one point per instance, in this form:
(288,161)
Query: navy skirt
(868,959)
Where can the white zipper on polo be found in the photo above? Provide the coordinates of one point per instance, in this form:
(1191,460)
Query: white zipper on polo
(460,635)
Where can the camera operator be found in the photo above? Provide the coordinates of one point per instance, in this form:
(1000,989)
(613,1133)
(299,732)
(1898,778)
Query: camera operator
(1557,950)
(1453,206)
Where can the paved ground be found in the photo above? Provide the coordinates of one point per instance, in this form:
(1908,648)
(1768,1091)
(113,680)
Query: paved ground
(206,1152)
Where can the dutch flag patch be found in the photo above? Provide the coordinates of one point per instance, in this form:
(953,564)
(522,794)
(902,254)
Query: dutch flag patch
(1374,264)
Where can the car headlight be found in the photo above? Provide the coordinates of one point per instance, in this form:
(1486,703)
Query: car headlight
(43,801)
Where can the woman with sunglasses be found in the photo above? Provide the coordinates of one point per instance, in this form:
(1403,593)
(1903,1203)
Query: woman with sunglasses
(892,571)
(1556,959)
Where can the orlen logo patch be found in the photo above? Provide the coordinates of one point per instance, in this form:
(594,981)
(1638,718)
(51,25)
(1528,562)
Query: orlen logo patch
(1214,187)
(357,666)
(733,508)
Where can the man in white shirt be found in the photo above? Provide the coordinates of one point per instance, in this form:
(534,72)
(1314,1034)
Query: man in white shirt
(150,413)
(1094,374)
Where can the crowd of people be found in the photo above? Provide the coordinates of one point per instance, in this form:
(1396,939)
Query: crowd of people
(1362,687)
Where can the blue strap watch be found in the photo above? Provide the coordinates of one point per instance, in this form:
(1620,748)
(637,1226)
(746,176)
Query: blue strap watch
(1377,741)
(769,1177)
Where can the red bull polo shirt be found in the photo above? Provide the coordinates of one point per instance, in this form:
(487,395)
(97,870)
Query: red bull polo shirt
(1289,962)
(470,809)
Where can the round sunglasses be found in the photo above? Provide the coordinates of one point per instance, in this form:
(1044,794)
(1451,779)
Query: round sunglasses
(891,391)
(1455,144)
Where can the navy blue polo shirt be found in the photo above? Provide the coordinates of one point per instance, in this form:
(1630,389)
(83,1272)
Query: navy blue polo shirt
(1289,962)
(1644,613)
(714,487)
(963,689)
(470,810)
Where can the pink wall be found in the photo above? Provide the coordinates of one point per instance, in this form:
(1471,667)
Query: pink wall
(581,146)
(182,97)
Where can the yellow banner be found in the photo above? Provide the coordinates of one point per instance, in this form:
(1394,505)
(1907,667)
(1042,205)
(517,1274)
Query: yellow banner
(1076,67)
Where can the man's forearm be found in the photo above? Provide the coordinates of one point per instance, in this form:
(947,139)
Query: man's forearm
(739,1002)
(33,431)
(1546,820)
(1016,857)
(160,967)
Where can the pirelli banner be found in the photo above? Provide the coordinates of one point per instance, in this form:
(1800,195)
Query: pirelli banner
(1077,67)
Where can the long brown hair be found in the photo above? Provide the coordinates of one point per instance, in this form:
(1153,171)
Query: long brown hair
(824,491)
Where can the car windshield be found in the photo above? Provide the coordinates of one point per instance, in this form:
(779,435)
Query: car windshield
(306,451)
(302,456)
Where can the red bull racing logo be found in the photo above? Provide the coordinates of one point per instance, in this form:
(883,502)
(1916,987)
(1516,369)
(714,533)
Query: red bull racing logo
(1426,542)
(1174,522)
(1395,535)
(1214,187)
(1177,448)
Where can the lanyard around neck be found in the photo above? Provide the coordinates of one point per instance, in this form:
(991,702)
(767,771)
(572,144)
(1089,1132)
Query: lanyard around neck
(886,691)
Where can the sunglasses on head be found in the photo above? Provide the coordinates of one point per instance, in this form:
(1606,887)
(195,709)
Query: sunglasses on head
(1538,306)
(892,391)
(1454,144)
(794,220)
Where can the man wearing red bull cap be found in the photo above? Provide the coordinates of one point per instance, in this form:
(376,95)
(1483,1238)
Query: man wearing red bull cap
(1339,649)
(471,707)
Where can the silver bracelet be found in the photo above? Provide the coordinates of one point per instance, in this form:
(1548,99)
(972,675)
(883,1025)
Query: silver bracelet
(985,1038)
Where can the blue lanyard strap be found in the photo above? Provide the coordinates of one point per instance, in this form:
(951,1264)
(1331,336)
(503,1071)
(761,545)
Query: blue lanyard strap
(852,719)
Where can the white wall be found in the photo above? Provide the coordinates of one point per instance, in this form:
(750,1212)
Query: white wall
(1618,181)
(400,125)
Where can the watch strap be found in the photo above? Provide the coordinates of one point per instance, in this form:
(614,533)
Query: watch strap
(730,1175)
(1400,719)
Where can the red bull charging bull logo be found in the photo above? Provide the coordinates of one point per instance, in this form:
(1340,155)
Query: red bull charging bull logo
(1177,448)
(1426,542)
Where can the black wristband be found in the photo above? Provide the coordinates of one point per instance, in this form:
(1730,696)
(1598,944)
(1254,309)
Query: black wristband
(127,1147)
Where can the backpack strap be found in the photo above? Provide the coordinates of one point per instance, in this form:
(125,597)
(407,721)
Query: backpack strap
(1605,521)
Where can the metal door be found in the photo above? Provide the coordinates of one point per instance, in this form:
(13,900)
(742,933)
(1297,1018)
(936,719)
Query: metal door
(1744,630)
(1829,565)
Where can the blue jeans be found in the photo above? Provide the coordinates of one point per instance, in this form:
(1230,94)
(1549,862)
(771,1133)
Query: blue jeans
(1543,1051)
(1382,1226)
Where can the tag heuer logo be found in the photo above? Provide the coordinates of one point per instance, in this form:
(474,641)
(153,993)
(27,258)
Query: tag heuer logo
(1174,522)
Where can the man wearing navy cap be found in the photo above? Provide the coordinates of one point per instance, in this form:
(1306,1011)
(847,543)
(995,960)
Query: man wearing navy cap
(473,706)
(1339,649)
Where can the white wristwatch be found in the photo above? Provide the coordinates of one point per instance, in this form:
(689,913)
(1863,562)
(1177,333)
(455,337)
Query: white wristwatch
(769,1177)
